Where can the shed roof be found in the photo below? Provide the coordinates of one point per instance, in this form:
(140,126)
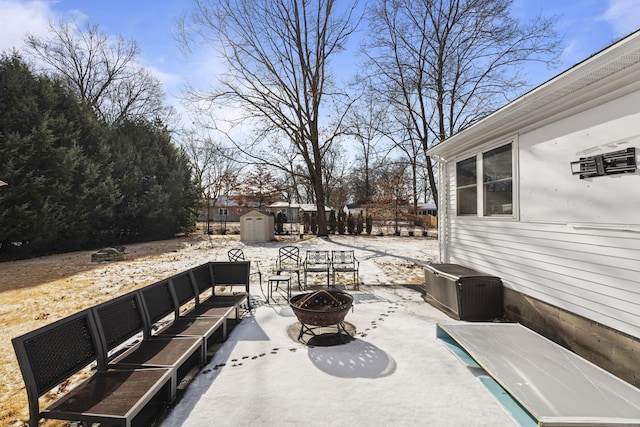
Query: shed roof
(254,212)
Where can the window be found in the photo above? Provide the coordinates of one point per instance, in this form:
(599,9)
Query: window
(222,211)
(497,174)
(467,187)
(493,170)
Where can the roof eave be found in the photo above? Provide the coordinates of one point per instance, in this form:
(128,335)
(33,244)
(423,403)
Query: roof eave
(564,94)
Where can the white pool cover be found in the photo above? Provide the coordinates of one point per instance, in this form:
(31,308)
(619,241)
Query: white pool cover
(558,387)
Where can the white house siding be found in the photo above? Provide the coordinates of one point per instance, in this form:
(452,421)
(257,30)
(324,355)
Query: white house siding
(574,243)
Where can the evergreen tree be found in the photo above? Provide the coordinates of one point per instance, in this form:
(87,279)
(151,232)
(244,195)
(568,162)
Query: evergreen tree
(341,221)
(159,197)
(74,182)
(351,224)
(56,192)
(359,224)
(333,222)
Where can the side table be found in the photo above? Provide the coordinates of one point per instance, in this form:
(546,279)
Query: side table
(276,280)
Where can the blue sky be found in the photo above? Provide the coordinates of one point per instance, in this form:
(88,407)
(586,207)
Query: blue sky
(588,26)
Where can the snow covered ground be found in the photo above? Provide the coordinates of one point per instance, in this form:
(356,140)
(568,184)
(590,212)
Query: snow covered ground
(395,372)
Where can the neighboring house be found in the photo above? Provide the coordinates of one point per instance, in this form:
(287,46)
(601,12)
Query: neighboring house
(225,209)
(294,211)
(355,210)
(311,209)
(291,210)
(527,194)
(427,209)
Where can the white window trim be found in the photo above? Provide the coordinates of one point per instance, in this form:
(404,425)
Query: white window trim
(515,215)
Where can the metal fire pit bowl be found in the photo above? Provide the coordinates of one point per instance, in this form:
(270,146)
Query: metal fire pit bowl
(321,308)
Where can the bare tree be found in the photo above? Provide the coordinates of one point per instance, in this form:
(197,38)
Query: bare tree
(277,56)
(334,171)
(213,166)
(102,69)
(367,123)
(412,153)
(447,63)
(261,185)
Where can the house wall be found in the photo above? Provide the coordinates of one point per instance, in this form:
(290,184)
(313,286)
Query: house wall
(574,245)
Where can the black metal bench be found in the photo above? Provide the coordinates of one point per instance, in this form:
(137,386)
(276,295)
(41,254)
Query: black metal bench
(210,302)
(229,274)
(53,353)
(121,322)
(140,345)
(163,313)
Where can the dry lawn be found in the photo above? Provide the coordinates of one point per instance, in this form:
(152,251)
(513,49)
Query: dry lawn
(39,291)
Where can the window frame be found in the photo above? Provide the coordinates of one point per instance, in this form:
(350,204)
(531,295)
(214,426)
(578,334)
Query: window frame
(478,154)
(467,186)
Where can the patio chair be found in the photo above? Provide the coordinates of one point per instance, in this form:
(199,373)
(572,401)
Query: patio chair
(345,262)
(317,262)
(237,255)
(289,261)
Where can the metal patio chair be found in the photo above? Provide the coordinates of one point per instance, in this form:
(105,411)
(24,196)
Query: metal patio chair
(345,262)
(237,255)
(317,262)
(289,261)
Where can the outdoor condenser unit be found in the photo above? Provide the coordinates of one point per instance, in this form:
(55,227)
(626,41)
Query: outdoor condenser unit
(463,293)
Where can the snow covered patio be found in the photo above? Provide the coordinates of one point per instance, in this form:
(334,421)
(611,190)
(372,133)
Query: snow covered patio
(395,372)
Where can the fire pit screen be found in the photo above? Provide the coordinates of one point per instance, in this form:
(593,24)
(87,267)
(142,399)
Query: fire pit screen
(322,308)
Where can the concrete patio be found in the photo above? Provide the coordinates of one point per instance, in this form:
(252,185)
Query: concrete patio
(394,373)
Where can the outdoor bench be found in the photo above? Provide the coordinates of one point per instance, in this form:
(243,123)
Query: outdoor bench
(215,274)
(140,344)
(120,322)
(230,274)
(52,354)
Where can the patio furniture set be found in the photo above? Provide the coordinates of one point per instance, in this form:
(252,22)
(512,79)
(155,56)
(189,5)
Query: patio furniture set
(290,262)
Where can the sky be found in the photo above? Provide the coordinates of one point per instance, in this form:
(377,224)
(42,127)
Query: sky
(588,26)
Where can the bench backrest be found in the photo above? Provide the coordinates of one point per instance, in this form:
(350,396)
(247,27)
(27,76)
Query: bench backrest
(159,302)
(183,287)
(49,355)
(230,273)
(202,277)
(119,319)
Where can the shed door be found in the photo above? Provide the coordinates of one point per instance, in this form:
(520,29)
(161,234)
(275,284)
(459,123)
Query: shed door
(254,229)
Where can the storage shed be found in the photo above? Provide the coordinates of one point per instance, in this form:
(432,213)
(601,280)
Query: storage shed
(256,226)
(545,194)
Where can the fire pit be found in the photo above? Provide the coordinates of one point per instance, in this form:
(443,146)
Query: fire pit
(321,308)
